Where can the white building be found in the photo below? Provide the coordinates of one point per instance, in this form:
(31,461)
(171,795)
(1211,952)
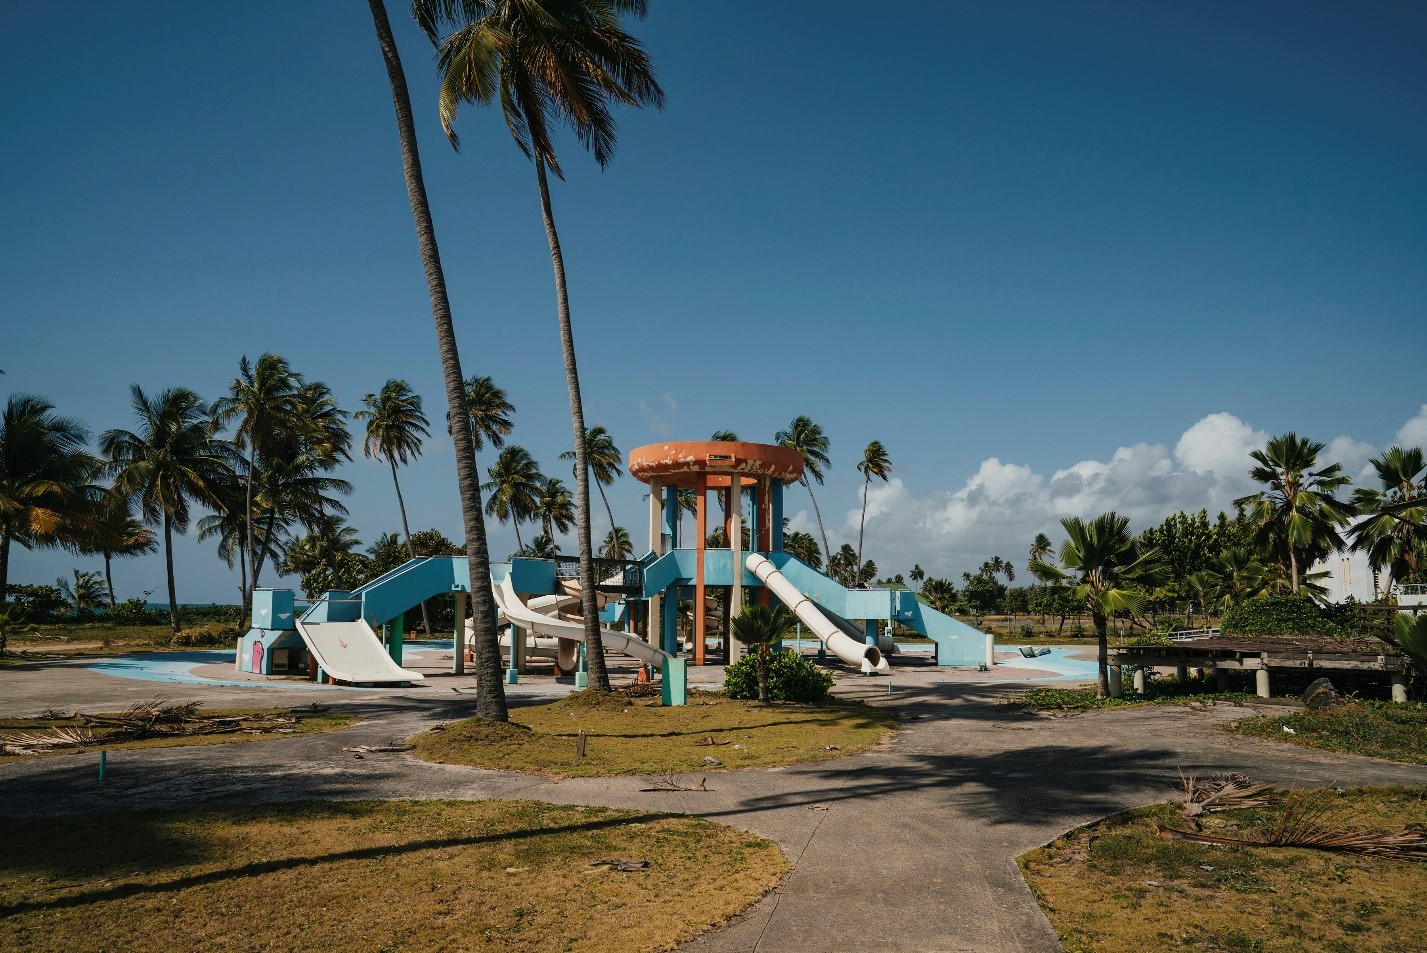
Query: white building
(1348,574)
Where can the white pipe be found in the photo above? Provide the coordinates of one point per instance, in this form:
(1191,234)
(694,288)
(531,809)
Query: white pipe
(571,632)
(867,657)
(990,652)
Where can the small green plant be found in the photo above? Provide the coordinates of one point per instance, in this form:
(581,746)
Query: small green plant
(1283,614)
(12,622)
(205,635)
(791,678)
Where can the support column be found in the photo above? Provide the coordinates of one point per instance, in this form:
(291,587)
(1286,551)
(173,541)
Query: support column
(1399,687)
(701,522)
(395,642)
(656,546)
(1139,679)
(1221,678)
(671,518)
(512,673)
(458,637)
(1117,685)
(735,543)
(1181,673)
(669,624)
(1261,683)
(775,515)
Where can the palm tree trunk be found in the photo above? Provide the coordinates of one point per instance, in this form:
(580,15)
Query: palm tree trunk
(168,560)
(594,647)
(262,557)
(862,523)
(410,550)
(762,674)
(515,522)
(109,579)
(4,566)
(248,531)
(1102,657)
(490,701)
(609,512)
(827,548)
(1293,568)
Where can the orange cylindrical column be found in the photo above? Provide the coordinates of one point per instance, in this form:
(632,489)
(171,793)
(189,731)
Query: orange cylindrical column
(701,519)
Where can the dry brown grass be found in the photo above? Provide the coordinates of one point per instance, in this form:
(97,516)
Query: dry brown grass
(1118,886)
(368,877)
(639,736)
(310,721)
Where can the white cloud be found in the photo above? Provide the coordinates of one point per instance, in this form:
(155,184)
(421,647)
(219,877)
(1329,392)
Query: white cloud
(1414,432)
(659,420)
(1218,444)
(1353,456)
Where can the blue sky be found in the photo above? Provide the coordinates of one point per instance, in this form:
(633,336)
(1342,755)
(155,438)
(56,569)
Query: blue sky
(1058,258)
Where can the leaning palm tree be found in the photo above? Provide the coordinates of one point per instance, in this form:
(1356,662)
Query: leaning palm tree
(874,463)
(1109,573)
(551,62)
(170,463)
(555,507)
(804,547)
(44,476)
(262,402)
(759,628)
(514,488)
(1393,531)
(114,531)
(1296,518)
(808,439)
(490,701)
(604,460)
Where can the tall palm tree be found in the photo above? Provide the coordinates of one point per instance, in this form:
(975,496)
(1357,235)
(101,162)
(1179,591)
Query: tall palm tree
(617,544)
(1234,576)
(1393,531)
(917,574)
(727,435)
(874,463)
(1109,573)
(809,440)
(490,701)
(1297,517)
(555,508)
(1041,548)
(170,463)
(804,547)
(84,594)
(262,400)
(395,426)
(44,472)
(552,61)
(604,460)
(113,532)
(514,488)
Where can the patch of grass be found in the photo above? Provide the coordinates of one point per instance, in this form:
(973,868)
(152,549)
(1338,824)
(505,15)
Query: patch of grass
(371,876)
(1159,693)
(639,736)
(311,722)
(1117,886)
(1376,729)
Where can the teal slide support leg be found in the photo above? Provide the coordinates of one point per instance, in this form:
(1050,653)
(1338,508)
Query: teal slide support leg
(512,674)
(669,630)
(582,677)
(870,627)
(674,681)
(394,644)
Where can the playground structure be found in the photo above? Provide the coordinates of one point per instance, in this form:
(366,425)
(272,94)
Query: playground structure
(340,636)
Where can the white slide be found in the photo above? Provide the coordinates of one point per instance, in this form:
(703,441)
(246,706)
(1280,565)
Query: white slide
(351,652)
(533,621)
(868,658)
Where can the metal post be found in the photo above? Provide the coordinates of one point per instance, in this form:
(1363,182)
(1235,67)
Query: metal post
(458,635)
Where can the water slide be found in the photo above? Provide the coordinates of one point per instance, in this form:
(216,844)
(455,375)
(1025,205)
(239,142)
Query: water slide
(351,652)
(539,623)
(868,658)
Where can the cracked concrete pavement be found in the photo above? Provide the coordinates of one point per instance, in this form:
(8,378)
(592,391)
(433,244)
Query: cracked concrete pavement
(908,847)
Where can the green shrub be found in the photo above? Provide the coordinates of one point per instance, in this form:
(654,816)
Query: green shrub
(1285,614)
(133,612)
(205,635)
(791,678)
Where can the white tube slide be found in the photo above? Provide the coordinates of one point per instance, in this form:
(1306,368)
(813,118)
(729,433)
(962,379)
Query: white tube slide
(885,644)
(868,658)
(533,621)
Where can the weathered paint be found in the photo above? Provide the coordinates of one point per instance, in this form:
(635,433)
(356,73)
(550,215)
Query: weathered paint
(683,463)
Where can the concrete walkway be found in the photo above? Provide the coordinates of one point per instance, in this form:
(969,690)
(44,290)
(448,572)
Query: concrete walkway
(910,846)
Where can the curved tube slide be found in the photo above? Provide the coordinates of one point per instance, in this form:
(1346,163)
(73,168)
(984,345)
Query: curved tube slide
(868,658)
(572,632)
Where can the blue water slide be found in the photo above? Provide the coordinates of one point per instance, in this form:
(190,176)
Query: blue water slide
(956,642)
